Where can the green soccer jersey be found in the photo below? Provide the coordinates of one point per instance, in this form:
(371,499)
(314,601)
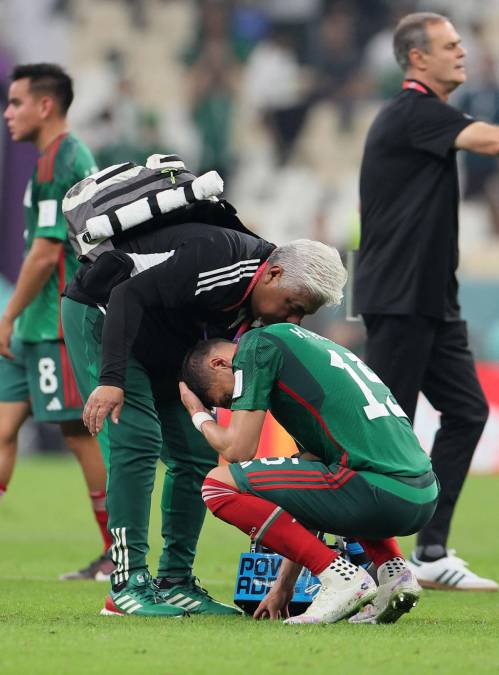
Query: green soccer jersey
(64,162)
(332,404)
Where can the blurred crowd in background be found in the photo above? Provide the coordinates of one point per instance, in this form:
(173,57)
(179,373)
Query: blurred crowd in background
(277,95)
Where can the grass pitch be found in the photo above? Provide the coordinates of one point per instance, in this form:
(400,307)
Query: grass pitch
(54,628)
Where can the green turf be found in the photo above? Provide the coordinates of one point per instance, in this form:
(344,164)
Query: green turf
(51,627)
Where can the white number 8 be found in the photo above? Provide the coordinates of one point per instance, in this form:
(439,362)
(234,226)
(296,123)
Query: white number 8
(48,379)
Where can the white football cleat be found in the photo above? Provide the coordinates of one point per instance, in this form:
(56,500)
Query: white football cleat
(344,590)
(398,593)
(449,574)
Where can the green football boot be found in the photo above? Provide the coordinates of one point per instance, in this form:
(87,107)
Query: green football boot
(189,595)
(140,597)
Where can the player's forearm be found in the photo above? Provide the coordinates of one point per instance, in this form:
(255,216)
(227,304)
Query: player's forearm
(289,572)
(34,274)
(223,441)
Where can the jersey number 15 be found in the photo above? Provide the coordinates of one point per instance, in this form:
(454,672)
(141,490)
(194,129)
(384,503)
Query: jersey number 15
(356,369)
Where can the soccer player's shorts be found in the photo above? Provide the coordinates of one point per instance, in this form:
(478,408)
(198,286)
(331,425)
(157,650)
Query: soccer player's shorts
(340,501)
(41,374)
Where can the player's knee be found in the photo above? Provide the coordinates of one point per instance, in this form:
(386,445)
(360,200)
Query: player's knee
(8,433)
(219,473)
(218,489)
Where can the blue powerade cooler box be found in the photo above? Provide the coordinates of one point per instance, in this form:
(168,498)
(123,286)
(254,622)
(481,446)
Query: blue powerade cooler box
(257,573)
(259,567)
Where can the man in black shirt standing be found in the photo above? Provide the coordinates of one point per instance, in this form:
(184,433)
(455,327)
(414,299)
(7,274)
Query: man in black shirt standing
(406,288)
(179,284)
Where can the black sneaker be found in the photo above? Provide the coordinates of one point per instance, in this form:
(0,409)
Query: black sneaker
(98,570)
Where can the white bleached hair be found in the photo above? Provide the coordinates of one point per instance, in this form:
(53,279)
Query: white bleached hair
(313,267)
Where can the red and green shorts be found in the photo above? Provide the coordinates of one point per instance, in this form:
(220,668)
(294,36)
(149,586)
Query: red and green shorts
(338,500)
(41,373)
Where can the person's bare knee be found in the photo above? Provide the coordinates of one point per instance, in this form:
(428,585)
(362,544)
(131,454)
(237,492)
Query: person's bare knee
(222,474)
(12,416)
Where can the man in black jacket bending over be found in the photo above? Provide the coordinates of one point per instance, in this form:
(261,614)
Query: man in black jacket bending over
(181,283)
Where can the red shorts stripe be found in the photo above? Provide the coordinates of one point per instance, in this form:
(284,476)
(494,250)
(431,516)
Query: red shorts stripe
(64,372)
(294,483)
(293,479)
(72,398)
(279,486)
(310,479)
(338,474)
(344,480)
(284,471)
(254,475)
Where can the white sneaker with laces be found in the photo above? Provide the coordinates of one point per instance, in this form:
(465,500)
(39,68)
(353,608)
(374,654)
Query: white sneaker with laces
(345,588)
(449,574)
(398,593)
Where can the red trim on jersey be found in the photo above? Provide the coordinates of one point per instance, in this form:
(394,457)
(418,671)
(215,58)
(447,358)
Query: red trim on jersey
(47,160)
(72,398)
(61,268)
(251,286)
(40,170)
(64,371)
(414,84)
(317,416)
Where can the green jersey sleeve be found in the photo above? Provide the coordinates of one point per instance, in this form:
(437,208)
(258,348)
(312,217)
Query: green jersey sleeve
(51,223)
(73,162)
(257,365)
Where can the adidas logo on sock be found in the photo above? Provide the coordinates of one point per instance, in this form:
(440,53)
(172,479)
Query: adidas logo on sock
(53,405)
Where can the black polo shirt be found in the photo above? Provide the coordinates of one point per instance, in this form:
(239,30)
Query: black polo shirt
(409,197)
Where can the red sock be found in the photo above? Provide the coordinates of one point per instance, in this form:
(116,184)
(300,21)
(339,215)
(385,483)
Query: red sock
(267,524)
(3,490)
(381,550)
(98,500)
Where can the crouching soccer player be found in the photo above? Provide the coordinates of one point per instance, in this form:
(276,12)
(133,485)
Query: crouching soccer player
(362,472)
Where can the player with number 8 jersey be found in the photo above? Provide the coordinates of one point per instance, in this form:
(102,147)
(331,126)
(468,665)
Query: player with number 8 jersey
(38,337)
(35,373)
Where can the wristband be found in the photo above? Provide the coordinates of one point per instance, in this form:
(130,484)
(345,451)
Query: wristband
(199,418)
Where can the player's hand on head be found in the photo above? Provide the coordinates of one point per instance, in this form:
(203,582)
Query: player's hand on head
(192,403)
(103,401)
(6,328)
(274,605)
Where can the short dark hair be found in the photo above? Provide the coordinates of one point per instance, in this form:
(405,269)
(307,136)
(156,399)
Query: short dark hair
(410,33)
(49,79)
(195,372)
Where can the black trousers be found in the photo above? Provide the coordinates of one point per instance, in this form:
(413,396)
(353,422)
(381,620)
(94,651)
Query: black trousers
(415,353)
